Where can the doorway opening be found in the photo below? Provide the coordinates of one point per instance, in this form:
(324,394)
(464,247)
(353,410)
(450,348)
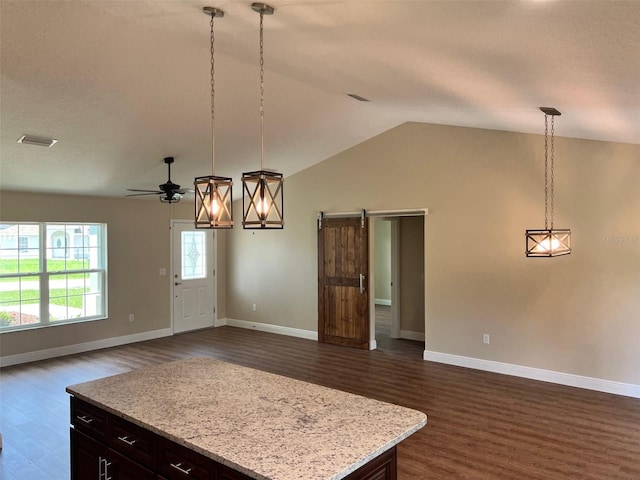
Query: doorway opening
(398,284)
(347,279)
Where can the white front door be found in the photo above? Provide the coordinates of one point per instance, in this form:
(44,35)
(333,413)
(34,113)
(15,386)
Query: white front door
(193,277)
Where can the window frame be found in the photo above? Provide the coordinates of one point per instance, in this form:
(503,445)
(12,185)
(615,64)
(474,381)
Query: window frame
(44,275)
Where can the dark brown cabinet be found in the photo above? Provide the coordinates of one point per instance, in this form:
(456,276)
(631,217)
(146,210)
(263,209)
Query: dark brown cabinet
(132,441)
(93,460)
(225,473)
(107,447)
(176,462)
(86,457)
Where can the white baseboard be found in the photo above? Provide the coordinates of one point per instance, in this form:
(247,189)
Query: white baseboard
(589,383)
(383,301)
(409,335)
(266,327)
(82,347)
(219,322)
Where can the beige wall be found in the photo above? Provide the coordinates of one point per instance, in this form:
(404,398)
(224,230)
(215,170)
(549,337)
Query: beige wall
(577,314)
(139,245)
(412,274)
(382,260)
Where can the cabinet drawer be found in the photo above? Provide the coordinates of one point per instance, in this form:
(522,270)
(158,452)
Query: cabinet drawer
(121,468)
(132,441)
(225,473)
(176,462)
(88,419)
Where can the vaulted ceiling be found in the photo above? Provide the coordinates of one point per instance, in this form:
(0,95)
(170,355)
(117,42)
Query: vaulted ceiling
(122,84)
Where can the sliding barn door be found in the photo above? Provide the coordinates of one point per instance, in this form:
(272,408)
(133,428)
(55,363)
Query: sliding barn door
(343,279)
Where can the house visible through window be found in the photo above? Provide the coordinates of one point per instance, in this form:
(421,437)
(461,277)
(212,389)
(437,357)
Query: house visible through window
(23,244)
(51,273)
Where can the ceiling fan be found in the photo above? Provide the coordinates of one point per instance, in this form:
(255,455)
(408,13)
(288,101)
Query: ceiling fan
(169,192)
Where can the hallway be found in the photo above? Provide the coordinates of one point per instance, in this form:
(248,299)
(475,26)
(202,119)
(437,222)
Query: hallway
(393,345)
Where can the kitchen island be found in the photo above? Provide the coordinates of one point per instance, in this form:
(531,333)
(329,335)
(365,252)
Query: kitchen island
(207,419)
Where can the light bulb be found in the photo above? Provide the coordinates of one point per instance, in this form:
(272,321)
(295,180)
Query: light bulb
(215,205)
(262,207)
(549,244)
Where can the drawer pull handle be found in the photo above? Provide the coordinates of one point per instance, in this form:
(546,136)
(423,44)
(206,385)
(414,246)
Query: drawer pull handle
(126,440)
(107,464)
(84,419)
(180,469)
(103,466)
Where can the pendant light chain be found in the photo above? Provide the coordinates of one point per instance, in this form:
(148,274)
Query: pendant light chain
(213,194)
(546,170)
(550,242)
(213,101)
(261,90)
(548,188)
(552,170)
(262,202)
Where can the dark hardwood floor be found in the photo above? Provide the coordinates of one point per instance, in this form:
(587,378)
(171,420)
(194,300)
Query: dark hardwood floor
(387,344)
(481,425)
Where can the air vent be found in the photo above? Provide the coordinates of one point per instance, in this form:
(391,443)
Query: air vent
(358,97)
(39,141)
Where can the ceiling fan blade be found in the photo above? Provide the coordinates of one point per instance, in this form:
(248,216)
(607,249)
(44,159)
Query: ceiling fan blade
(143,190)
(143,194)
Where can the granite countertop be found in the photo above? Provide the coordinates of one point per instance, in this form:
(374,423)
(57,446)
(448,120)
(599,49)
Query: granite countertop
(264,425)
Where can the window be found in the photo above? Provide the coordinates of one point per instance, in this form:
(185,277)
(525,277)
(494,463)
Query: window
(194,255)
(51,274)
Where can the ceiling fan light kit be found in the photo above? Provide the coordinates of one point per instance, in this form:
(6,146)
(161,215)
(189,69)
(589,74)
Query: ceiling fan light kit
(550,241)
(262,199)
(213,194)
(169,192)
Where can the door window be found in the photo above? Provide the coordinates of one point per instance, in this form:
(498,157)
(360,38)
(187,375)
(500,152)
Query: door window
(194,255)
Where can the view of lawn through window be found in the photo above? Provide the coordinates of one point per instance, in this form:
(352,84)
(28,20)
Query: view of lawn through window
(51,273)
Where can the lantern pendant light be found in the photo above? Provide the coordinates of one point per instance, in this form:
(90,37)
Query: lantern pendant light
(550,242)
(213,193)
(262,199)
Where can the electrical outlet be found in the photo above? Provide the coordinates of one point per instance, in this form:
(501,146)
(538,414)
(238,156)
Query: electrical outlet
(131,317)
(486,339)
(254,307)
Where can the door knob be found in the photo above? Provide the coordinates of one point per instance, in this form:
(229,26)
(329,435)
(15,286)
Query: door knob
(177,283)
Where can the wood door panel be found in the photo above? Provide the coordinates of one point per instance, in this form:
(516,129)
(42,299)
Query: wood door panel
(344,306)
(343,310)
(342,242)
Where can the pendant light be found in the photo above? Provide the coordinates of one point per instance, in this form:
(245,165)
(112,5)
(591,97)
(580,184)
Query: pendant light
(262,199)
(213,194)
(550,242)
